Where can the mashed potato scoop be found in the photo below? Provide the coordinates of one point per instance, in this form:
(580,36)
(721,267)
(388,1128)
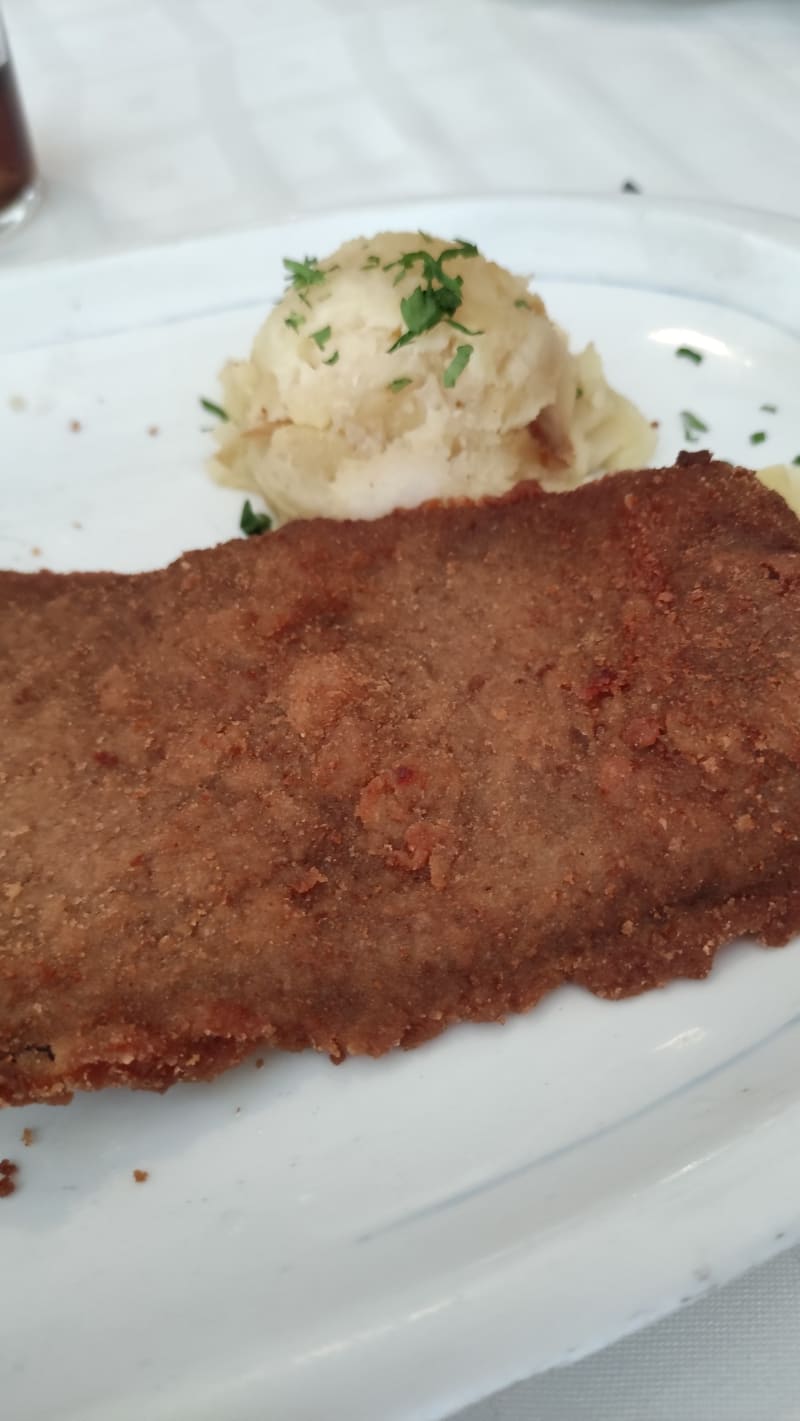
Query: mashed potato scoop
(785,480)
(405,368)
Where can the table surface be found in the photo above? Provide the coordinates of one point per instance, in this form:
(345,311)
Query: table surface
(167,118)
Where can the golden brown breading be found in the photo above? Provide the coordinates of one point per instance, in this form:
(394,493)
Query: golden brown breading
(346,784)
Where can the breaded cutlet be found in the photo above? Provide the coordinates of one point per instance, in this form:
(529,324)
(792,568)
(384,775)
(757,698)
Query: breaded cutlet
(343,785)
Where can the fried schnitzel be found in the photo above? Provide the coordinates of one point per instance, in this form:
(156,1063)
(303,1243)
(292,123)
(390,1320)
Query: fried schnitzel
(346,784)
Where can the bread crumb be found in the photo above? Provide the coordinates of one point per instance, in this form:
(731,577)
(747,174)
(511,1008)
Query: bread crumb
(153,431)
(18,403)
(259,1063)
(76,524)
(141,1175)
(28,1136)
(641,733)
(75,426)
(8,1169)
(36,552)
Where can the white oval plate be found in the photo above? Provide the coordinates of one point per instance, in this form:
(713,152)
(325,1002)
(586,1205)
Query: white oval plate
(389,1239)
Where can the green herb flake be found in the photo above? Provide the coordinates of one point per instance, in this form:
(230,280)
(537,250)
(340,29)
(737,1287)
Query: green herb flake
(294,322)
(579,392)
(796,460)
(302,275)
(371,262)
(457,366)
(522,304)
(440,296)
(322,337)
(687,352)
(692,426)
(400,384)
(252,523)
(420,311)
(465,330)
(769,409)
(759,437)
(217,410)
(332,359)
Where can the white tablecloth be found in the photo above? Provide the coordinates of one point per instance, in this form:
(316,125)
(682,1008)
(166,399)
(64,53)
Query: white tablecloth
(160,118)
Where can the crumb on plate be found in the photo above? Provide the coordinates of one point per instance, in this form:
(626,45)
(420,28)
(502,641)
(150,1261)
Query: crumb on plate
(8,1183)
(141,1175)
(28,1136)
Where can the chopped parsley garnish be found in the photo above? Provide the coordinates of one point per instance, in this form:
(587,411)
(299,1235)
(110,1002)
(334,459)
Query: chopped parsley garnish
(522,303)
(211,408)
(759,437)
(579,392)
(332,359)
(252,523)
(322,337)
(769,409)
(796,459)
(400,384)
(465,330)
(687,352)
(457,365)
(294,322)
(692,426)
(420,311)
(440,296)
(372,261)
(302,275)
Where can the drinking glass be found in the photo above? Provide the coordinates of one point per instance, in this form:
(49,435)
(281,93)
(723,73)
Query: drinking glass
(19,181)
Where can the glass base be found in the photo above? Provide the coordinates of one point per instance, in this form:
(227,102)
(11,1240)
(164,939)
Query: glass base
(18,212)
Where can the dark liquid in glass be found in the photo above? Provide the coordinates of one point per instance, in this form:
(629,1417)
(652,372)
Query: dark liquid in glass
(17,167)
